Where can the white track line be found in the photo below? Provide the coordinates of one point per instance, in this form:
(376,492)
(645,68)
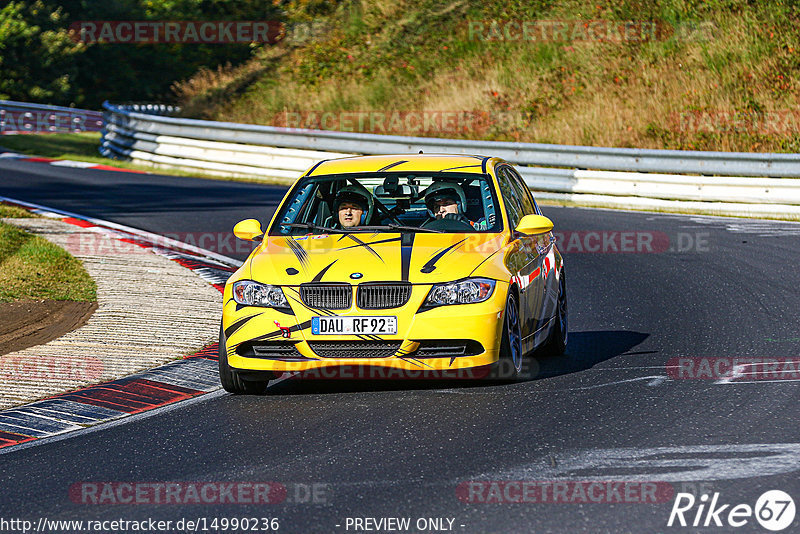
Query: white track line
(225,260)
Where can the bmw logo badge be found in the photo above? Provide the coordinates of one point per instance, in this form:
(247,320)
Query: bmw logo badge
(356,276)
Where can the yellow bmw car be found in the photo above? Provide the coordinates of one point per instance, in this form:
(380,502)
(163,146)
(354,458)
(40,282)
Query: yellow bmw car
(412,262)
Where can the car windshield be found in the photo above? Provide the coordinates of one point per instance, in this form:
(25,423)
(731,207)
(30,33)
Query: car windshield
(390,202)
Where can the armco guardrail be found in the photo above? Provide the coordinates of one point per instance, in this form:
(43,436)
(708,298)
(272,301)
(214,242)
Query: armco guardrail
(664,186)
(24,117)
(613,159)
(210,156)
(750,182)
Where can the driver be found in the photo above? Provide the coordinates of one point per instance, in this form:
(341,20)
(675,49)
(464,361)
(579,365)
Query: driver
(352,206)
(446,200)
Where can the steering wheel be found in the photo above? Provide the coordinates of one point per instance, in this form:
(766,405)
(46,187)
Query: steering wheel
(449,225)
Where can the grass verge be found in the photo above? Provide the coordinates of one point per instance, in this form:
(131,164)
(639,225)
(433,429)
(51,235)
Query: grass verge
(716,75)
(83,147)
(32,268)
(59,146)
(7,210)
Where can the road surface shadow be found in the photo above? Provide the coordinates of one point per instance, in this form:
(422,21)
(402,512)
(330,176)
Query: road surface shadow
(587,349)
(584,350)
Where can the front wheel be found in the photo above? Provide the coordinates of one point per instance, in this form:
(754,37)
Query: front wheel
(510,362)
(231,381)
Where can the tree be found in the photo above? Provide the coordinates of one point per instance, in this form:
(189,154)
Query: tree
(42,61)
(37,55)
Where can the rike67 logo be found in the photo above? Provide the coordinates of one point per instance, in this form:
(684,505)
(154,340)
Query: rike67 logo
(774,510)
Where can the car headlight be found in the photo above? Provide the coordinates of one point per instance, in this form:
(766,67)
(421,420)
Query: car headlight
(467,291)
(252,293)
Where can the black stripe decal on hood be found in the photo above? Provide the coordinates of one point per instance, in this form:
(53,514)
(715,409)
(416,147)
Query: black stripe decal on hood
(484,261)
(390,240)
(299,252)
(406,246)
(323,271)
(430,266)
(363,244)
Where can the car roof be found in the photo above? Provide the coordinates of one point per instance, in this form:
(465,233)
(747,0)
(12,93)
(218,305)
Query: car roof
(403,163)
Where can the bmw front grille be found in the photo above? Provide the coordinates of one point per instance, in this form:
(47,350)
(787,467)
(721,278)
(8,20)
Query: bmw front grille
(381,295)
(327,296)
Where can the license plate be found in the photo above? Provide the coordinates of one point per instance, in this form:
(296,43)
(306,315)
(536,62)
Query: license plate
(326,326)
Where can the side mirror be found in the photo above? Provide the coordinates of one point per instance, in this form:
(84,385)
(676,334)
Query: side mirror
(249,230)
(534,224)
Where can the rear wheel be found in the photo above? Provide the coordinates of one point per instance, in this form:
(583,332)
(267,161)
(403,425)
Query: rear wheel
(510,363)
(230,380)
(557,343)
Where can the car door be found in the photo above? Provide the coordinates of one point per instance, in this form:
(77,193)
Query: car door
(523,257)
(543,302)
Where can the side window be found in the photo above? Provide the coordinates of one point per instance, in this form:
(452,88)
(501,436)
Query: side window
(528,203)
(511,198)
(295,209)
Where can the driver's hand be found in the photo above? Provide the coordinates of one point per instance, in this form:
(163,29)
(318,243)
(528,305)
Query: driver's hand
(455,217)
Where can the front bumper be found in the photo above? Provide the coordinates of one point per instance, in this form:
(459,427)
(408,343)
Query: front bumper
(264,339)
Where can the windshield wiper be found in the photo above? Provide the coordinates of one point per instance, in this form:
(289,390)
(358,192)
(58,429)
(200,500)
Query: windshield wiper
(352,229)
(312,226)
(399,227)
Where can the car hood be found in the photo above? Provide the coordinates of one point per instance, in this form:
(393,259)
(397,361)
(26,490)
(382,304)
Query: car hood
(421,258)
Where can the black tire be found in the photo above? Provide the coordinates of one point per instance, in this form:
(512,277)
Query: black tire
(510,362)
(557,342)
(232,382)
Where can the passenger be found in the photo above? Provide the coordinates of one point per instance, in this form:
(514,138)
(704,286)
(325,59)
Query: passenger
(447,201)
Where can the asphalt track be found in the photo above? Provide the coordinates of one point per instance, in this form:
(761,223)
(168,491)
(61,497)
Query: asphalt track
(610,410)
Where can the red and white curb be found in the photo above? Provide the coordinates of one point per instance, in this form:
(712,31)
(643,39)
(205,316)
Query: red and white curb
(191,377)
(65,162)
